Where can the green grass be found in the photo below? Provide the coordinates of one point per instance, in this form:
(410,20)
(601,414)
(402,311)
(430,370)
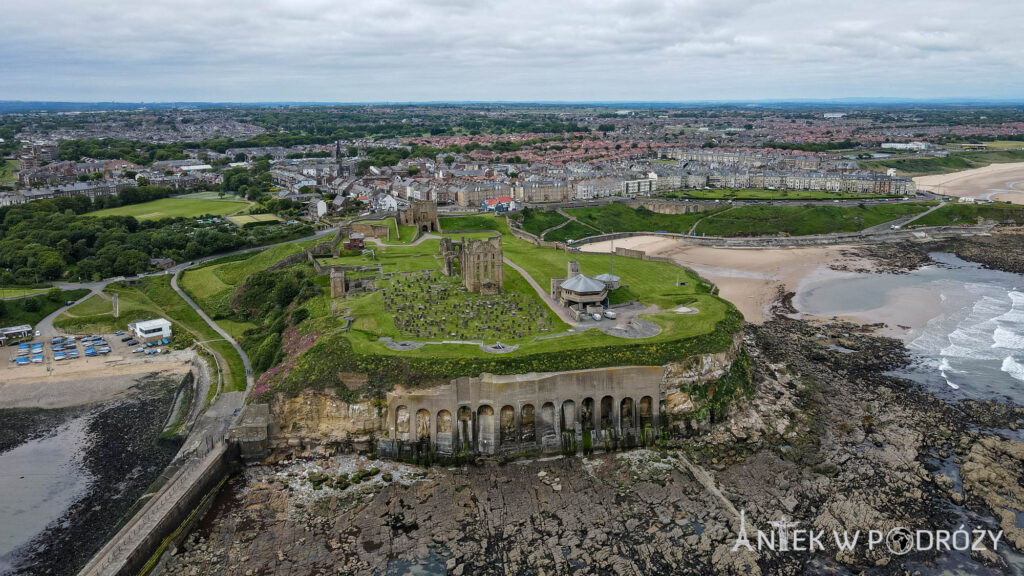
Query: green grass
(9,292)
(537,221)
(804,220)
(174,208)
(14,312)
(953,163)
(208,195)
(622,218)
(470,223)
(571,231)
(423,256)
(993,145)
(7,168)
(957,214)
(757,194)
(243,219)
(149,298)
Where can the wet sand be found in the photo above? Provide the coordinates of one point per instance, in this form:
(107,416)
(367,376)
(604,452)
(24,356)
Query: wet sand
(749,278)
(999,182)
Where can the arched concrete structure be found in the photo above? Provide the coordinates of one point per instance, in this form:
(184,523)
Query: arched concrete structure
(527,425)
(529,412)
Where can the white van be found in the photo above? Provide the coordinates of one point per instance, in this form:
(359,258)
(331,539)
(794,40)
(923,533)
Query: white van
(610,315)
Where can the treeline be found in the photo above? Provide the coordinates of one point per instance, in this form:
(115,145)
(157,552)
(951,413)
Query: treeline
(813,146)
(142,153)
(56,239)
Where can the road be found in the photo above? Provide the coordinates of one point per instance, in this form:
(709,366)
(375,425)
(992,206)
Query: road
(562,311)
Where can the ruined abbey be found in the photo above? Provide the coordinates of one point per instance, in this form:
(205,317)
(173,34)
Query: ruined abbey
(479,263)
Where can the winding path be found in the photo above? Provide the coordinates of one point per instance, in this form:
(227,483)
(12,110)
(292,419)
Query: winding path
(561,311)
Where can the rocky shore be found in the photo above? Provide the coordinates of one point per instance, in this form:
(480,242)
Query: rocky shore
(828,441)
(123,458)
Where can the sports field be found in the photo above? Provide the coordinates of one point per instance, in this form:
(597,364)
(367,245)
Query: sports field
(243,219)
(174,208)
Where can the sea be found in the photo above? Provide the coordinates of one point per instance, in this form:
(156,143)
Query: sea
(963,324)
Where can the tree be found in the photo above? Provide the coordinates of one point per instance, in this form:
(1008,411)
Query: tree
(32,305)
(449,160)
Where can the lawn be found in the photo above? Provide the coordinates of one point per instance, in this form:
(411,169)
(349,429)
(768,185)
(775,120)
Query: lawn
(9,292)
(757,194)
(174,208)
(33,309)
(423,256)
(7,169)
(957,214)
(243,219)
(571,231)
(208,195)
(803,220)
(537,221)
(622,218)
(471,223)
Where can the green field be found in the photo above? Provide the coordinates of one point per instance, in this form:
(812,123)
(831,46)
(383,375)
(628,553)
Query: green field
(153,297)
(804,220)
(243,219)
(955,162)
(469,223)
(622,218)
(758,194)
(571,231)
(9,292)
(537,221)
(209,195)
(174,208)
(958,214)
(34,308)
(7,169)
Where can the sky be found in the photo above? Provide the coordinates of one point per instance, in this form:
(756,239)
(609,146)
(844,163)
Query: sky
(508,50)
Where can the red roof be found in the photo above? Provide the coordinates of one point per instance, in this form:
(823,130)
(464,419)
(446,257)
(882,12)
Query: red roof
(498,200)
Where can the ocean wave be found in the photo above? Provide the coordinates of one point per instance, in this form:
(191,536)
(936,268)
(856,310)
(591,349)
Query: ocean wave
(1008,339)
(1014,368)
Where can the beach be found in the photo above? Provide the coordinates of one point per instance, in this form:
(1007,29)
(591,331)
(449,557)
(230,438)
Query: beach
(83,381)
(749,278)
(998,182)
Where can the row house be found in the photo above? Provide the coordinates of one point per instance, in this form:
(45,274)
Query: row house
(535,189)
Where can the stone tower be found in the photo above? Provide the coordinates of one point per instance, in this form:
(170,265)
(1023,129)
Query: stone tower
(480,263)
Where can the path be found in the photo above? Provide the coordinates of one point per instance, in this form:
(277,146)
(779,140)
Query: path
(921,215)
(693,229)
(561,311)
(382,244)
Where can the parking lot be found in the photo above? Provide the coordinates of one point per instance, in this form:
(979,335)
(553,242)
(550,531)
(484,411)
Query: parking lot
(66,349)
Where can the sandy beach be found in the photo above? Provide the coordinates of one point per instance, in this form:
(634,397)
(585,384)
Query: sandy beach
(999,182)
(749,278)
(83,381)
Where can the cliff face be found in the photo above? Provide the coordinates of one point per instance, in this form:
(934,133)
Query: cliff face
(322,417)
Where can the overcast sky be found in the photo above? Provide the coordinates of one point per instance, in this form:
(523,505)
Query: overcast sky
(569,50)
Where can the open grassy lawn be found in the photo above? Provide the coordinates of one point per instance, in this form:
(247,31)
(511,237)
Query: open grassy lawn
(217,279)
(243,219)
(957,214)
(174,208)
(476,222)
(399,234)
(758,194)
(7,168)
(955,162)
(571,231)
(537,221)
(34,308)
(804,220)
(8,292)
(153,297)
(622,218)
(209,195)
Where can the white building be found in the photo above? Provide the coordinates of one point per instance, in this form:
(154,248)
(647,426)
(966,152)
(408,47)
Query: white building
(151,330)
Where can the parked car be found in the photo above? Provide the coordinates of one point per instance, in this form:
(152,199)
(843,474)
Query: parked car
(126,338)
(37,333)
(137,350)
(133,342)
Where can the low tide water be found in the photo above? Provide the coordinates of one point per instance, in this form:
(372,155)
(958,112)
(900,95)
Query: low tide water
(41,479)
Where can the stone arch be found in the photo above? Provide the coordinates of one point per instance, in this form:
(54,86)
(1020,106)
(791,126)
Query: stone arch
(402,421)
(425,228)
(626,414)
(486,427)
(464,428)
(587,414)
(507,425)
(646,411)
(568,416)
(607,413)
(444,422)
(527,425)
(422,424)
(546,423)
